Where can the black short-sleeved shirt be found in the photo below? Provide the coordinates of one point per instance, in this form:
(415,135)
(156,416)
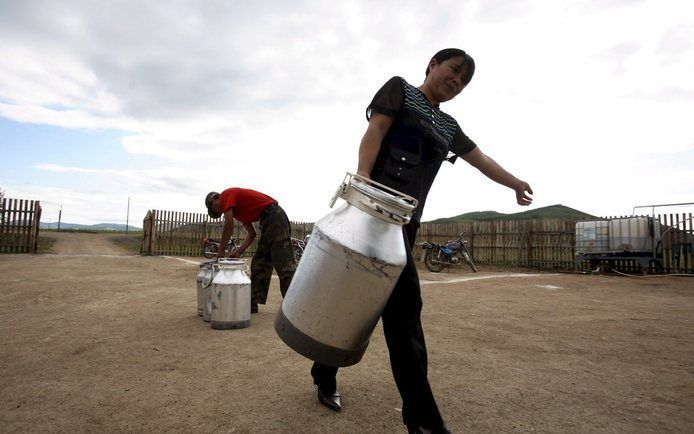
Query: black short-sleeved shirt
(418,141)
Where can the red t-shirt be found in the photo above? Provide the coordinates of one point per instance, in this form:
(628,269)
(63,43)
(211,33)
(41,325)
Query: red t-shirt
(247,204)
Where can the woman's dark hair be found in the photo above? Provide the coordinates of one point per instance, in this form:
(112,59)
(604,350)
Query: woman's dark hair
(449,53)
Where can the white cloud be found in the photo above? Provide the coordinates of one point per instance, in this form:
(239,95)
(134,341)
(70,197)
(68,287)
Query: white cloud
(271,95)
(502,10)
(677,40)
(62,169)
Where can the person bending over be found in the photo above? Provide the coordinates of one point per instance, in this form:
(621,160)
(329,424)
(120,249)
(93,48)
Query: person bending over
(274,246)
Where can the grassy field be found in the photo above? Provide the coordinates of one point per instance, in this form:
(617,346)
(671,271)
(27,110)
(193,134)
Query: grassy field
(45,244)
(131,241)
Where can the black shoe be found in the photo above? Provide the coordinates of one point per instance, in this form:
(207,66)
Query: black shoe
(419,430)
(332,401)
(254,307)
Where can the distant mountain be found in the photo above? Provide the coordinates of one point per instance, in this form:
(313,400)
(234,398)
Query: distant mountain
(548,212)
(116,227)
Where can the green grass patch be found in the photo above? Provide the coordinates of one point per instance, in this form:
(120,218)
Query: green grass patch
(130,242)
(45,245)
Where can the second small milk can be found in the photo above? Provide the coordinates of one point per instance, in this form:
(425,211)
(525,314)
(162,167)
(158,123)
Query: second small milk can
(204,270)
(346,274)
(206,283)
(231,296)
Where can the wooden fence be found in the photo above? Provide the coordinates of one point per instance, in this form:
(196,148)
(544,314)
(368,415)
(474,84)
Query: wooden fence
(540,243)
(550,243)
(677,231)
(19,225)
(181,233)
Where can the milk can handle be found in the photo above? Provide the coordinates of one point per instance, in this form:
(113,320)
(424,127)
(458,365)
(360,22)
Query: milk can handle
(342,189)
(205,285)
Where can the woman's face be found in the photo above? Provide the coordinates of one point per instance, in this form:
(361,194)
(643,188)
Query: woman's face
(445,79)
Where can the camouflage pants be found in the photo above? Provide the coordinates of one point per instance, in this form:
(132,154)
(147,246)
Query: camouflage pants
(274,250)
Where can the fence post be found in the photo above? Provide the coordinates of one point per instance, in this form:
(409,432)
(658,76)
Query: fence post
(35,226)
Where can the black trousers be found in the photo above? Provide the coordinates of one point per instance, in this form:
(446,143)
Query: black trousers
(402,328)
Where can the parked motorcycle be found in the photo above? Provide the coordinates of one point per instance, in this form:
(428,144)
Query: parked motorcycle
(439,256)
(210,247)
(299,246)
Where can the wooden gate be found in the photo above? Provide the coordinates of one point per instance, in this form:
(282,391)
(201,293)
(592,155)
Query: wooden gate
(19,225)
(177,233)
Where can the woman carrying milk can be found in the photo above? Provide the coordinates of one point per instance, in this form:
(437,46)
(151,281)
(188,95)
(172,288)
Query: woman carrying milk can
(406,141)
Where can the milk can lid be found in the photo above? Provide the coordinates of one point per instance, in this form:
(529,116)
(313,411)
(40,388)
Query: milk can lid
(231,263)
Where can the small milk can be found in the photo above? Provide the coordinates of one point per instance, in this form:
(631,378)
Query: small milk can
(231,296)
(346,274)
(206,283)
(204,267)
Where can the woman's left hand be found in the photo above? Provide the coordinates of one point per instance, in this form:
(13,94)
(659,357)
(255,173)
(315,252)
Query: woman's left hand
(522,193)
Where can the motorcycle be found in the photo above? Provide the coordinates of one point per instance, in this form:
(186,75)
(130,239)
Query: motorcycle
(438,256)
(299,246)
(210,247)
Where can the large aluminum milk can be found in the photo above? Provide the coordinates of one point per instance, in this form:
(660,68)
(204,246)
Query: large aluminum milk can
(231,296)
(204,270)
(346,274)
(206,283)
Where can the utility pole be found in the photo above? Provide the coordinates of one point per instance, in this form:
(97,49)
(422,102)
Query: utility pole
(127,217)
(60,214)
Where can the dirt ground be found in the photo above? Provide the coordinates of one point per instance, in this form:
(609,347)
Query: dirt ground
(97,340)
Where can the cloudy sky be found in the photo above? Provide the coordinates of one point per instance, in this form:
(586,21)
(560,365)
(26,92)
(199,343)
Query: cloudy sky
(590,101)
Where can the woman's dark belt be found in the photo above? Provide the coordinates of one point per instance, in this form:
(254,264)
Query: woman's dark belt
(268,209)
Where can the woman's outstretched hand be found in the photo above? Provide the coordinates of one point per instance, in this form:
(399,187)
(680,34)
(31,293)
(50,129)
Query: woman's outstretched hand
(522,194)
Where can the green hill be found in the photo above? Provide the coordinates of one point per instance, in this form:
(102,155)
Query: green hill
(548,212)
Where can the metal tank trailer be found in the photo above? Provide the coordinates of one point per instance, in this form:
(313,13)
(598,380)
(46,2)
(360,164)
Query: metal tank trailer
(619,239)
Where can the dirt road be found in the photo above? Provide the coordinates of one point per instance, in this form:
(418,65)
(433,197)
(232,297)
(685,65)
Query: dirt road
(79,243)
(112,343)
